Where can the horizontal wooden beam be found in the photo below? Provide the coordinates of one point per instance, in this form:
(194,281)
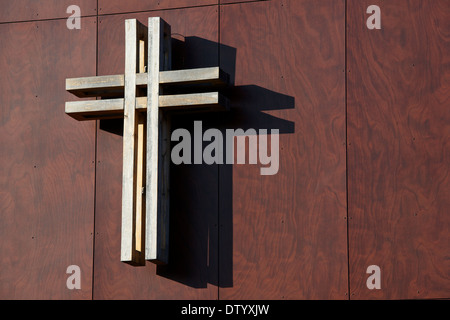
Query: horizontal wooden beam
(113,108)
(114,84)
(213,76)
(96,86)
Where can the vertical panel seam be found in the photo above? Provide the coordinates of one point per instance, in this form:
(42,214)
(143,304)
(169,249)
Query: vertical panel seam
(346,149)
(218,167)
(95,163)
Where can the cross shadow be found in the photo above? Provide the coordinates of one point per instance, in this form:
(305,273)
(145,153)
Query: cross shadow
(201,195)
(201,215)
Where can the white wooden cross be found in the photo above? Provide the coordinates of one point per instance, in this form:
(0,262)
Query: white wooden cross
(146,130)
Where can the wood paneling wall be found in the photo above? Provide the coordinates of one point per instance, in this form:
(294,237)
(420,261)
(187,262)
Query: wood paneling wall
(118,6)
(47,169)
(192,270)
(25,10)
(288,230)
(364,153)
(399,149)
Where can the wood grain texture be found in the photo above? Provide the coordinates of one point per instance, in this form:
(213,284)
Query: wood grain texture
(158,160)
(25,10)
(237,1)
(130,215)
(399,149)
(118,6)
(192,270)
(113,108)
(113,84)
(288,231)
(46,163)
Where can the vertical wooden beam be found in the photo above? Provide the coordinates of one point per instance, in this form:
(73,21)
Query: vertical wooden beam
(141,150)
(130,193)
(158,145)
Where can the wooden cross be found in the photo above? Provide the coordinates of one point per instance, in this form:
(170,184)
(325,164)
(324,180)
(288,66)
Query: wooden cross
(146,130)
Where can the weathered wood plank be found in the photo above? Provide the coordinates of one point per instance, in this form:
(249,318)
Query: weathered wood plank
(95,109)
(114,84)
(141,151)
(113,108)
(212,76)
(188,102)
(164,128)
(127,243)
(152,139)
(96,86)
(157,210)
(129,253)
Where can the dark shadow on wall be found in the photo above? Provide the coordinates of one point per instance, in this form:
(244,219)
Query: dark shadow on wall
(201,195)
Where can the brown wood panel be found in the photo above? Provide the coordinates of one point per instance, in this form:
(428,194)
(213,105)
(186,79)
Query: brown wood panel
(399,148)
(192,269)
(46,163)
(119,6)
(24,10)
(238,1)
(284,236)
